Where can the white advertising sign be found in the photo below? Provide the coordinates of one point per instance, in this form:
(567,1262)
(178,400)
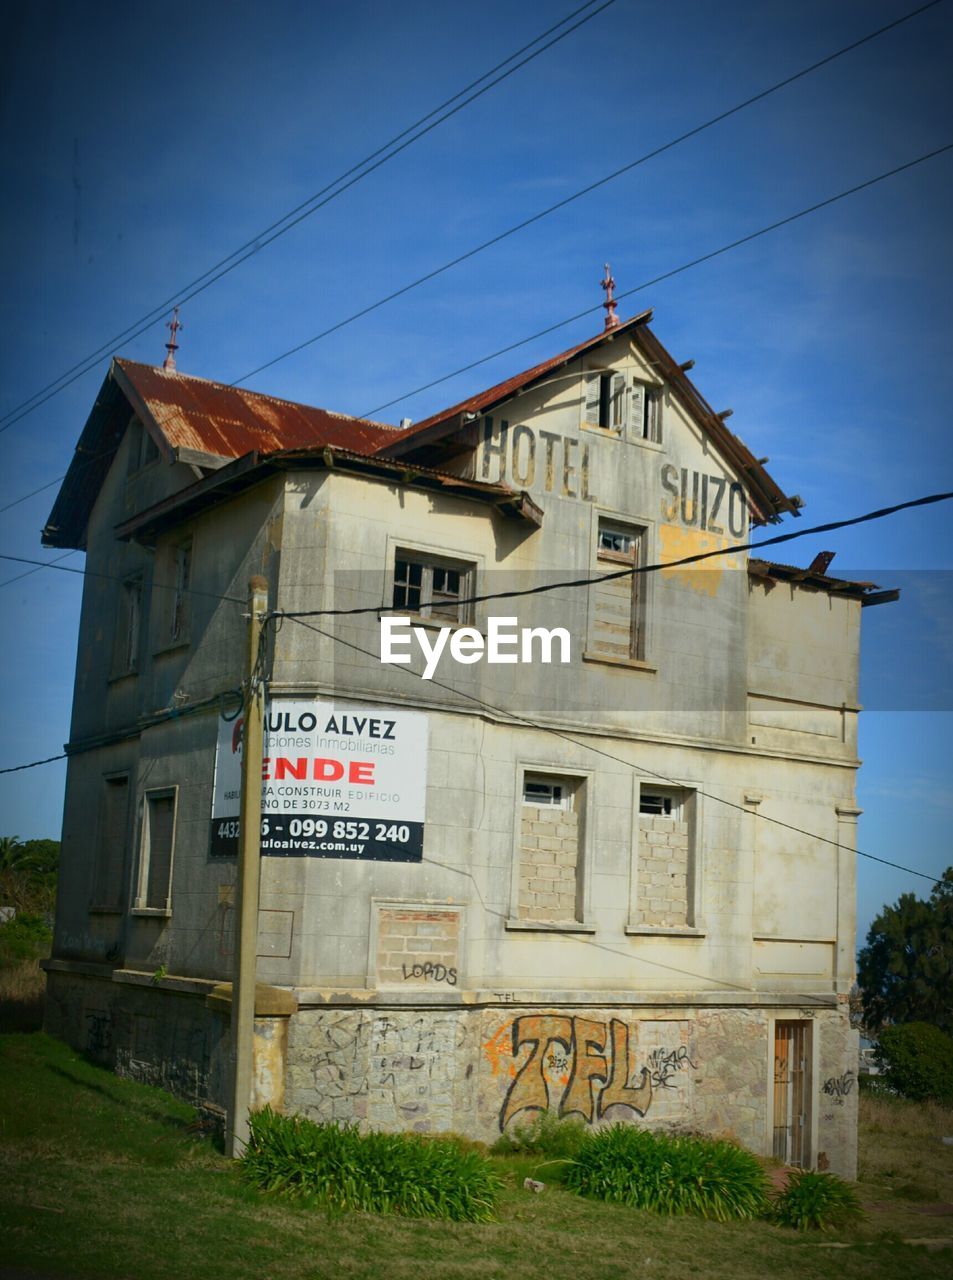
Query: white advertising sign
(337,781)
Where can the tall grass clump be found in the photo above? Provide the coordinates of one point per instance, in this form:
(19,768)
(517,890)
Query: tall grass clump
(671,1175)
(816,1202)
(341,1168)
(545,1135)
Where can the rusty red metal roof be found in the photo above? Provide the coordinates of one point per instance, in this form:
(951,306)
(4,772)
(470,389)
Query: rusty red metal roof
(209,417)
(422,432)
(198,421)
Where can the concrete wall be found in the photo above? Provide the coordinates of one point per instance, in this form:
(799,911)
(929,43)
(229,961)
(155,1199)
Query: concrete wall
(741,696)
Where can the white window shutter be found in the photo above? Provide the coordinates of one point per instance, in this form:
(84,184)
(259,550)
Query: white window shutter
(592,398)
(617,401)
(637,418)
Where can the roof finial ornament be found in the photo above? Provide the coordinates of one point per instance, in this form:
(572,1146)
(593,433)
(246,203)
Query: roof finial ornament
(174,325)
(612,320)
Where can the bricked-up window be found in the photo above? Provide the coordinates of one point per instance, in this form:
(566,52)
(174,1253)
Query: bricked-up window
(106,891)
(155,851)
(432,586)
(126,638)
(618,613)
(550,849)
(665,870)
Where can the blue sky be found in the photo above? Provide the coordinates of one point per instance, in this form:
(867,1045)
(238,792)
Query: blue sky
(141,145)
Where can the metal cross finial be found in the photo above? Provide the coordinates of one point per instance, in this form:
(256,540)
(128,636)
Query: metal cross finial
(173,325)
(612,320)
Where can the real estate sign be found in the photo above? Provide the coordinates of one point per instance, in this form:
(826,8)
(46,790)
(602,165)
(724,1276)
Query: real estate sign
(337,781)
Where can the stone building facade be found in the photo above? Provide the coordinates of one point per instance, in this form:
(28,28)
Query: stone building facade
(625,888)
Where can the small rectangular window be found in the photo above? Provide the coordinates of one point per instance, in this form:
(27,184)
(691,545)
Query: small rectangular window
(110,860)
(547,792)
(617,620)
(647,412)
(432,586)
(658,803)
(606,401)
(155,851)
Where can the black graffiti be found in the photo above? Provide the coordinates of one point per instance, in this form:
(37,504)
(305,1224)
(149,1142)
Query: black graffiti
(435,972)
(838,1087)
(665,1063)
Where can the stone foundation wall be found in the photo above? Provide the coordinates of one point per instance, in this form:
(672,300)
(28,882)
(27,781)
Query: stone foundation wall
(479,1071)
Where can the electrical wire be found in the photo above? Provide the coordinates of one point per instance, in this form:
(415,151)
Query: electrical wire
(635,570)
(112,577)
(567,737)
(587,190)
(503,235)
(7,582)
(666,275)
(310,206)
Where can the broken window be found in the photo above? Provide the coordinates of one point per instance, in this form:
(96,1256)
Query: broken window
(432,586)
(606,401)
(156,843)
(126,637)
(617,623)
(106,892)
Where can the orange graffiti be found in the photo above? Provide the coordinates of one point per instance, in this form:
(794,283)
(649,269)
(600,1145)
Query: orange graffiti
(600,1066)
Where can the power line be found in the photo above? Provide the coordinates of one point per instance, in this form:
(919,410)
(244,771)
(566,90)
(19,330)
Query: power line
(112,577)
(18,768)
(7,582)
(587,190)
(666,275)
(400,142)
(567,737)
(503,235)
(829,527)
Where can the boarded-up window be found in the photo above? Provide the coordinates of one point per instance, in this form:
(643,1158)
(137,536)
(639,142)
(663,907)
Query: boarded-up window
(181,592)
(155,858)
(107,888)
(126,639)
(617,617)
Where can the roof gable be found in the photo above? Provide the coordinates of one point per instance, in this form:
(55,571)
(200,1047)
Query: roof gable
(445,430)
(192,420)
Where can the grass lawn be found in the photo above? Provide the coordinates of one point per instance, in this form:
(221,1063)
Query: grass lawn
(102,1177)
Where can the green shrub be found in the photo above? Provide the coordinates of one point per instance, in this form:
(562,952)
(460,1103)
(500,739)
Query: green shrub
(341,1168)
(917,1061)
(816,1202)
(672,1175)
(545,1135)
(25,937)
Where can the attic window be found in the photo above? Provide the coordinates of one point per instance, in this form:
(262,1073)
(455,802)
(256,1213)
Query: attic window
(605,401)
(143,450)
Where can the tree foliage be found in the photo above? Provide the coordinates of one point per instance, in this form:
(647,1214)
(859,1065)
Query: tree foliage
(906,969)
(28,871)
(917,1061)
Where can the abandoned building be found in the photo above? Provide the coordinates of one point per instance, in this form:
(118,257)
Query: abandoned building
(619,887)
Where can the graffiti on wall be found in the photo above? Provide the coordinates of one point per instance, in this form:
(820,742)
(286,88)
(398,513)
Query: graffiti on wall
(571,1065)
(666,1063)
(838,1087)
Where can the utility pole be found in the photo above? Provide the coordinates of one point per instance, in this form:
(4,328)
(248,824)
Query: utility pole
(246,901)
